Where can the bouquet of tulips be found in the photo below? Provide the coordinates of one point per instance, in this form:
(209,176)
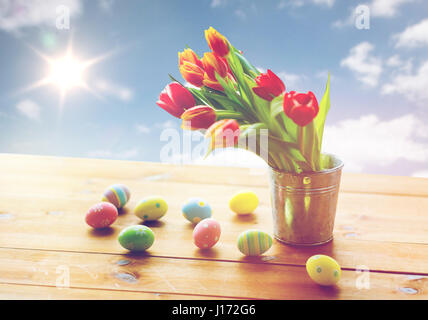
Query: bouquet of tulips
(235,103)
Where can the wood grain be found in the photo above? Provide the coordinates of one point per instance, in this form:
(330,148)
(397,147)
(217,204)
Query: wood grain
(369,228)
(43,292)
(195,277)
(381,225)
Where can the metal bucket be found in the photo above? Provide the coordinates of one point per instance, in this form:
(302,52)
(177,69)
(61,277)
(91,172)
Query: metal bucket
(304,205)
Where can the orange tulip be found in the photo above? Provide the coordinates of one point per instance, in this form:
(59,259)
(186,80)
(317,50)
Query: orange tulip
(213,64)
(190,56)
(217,42)
(192,73)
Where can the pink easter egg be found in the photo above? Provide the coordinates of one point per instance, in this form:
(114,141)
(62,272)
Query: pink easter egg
(101,215)
(206,233)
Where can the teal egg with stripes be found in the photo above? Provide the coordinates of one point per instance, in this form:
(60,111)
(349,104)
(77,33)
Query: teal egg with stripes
(117,194)
(254,242)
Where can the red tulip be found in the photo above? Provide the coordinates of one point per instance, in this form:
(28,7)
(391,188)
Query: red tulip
(302,108)
(217,42)
(198,117)
(175,99)
(269,86)
(192,73)
(224,133)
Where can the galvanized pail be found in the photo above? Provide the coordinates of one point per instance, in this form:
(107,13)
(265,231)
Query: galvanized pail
(304,204)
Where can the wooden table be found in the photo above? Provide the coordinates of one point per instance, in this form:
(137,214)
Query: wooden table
(48,252)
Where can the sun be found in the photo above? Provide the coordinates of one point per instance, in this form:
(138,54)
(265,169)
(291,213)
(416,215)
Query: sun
(66,72)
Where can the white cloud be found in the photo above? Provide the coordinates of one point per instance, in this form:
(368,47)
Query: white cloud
(378,8)
(300,3)
(420,174)
(241,14)
(141,128)
(217,3)
(109,154)
(413,36)
(386,8)
(106,5)
(232,158)
(369,141)
(166,125)
(29,109)
(113,89)
(328,3)
(18,14)
(366,67)
(291,80)
(413,86)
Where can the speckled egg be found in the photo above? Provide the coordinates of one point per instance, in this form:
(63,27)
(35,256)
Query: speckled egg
(196,209)
(101,215)
(117,194)
(254,242)
(323,269)
(244,202)
(151,208)
(136,238)
(206,233)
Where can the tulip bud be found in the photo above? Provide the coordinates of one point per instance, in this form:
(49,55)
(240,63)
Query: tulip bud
(192,73)
(224,133)
(217,42)
(269,86)
(198,117)
(213,63)
(190,56)
(302,108)
(175,99)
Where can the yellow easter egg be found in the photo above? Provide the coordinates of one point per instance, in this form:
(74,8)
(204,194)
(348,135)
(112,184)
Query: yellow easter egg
(151,208)
(323,269)
(244,202)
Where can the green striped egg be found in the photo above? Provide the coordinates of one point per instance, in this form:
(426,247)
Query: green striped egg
(254,242)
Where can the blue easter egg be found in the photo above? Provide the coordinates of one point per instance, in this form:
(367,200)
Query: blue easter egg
(196,209)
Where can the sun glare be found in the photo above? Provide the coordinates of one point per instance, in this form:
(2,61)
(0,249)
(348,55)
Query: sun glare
(66,72)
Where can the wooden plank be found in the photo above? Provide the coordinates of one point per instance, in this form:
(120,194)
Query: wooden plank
(189,276)
(149,171)
(46,221)
(368,212)
(40,292)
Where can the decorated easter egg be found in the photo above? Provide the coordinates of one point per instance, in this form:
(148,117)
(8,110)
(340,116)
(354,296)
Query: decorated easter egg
(254,242)
(151,208)
(323,269)
(101,215)
(136,238)
(206,233)
(117,194)
(196,209)
(244,202)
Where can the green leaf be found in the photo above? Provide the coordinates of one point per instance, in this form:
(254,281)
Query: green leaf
(249,69)
(224,101)
(276,106)
(324,107)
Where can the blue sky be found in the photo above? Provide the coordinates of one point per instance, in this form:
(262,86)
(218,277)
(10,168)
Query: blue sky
(379,90)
